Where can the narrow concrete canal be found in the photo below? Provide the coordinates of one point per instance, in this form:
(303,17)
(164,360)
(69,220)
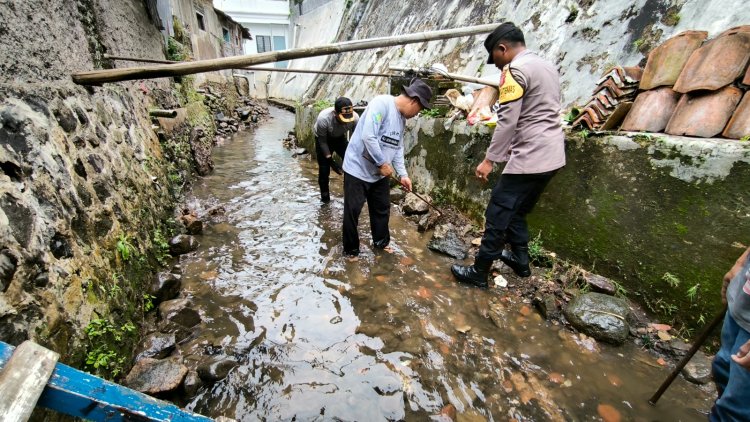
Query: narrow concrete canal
(388,337)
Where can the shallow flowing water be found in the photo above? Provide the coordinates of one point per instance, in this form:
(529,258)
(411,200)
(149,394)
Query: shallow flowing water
(388,337)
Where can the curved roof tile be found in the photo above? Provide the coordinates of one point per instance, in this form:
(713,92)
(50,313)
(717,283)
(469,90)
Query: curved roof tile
(666,61)
(717,63)
(651,110)
(704,114)
(739,125)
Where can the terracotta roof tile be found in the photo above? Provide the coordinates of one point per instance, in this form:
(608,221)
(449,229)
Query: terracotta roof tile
(666,61)
(739,125)
(619,113)
(746,80)
(704,114)
(716,64)
(652,110)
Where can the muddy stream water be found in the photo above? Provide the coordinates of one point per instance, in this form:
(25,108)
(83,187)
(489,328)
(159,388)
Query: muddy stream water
(388,337)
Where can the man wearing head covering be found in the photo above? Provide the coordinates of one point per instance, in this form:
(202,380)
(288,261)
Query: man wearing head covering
(375,150)
(331,129)
(529,137)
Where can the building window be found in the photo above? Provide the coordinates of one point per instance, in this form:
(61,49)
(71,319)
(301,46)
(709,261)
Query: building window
(225,34)
(264,43)
(279,43)
(201,23)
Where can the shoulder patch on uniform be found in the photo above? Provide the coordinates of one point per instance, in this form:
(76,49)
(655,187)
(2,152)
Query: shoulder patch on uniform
(510,89)
(377,117)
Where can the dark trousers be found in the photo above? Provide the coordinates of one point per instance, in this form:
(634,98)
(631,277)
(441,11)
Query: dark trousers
(324,165)
(377,195)
(513,197)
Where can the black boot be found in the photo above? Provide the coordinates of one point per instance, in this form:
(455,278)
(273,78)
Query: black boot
(325,197)
(475,275)
(517,258)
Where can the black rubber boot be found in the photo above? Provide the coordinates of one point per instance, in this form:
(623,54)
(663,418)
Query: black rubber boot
(517,258)
(325,197)
(476,274)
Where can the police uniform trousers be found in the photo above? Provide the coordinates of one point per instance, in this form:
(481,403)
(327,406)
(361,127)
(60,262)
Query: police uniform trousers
(512,198)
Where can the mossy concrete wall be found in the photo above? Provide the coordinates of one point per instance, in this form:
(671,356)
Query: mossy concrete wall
(632,207)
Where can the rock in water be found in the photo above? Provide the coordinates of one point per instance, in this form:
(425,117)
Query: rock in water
(446,241)
(698,369)
(414,205)
(182,244)
(153,376)
(600,316)
(216,370)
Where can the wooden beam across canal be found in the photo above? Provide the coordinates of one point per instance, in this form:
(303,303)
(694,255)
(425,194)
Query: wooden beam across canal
(97,77)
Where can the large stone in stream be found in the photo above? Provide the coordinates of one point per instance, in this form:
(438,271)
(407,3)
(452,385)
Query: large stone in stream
(154,376)
(182,244)
(157,346)
(600,316)
(413,205)
(216,370)
(165,286)
(178,311)
(446,240)
(698,369)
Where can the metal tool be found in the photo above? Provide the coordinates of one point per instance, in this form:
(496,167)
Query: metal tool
(440,213)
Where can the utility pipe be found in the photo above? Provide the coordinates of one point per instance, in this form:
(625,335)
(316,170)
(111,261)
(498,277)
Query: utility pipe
(454,76)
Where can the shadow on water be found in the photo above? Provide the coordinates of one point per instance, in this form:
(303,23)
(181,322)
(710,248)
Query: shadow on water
(388,337)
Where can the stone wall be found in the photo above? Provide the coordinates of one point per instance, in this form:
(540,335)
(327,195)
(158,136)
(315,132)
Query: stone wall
(85,182)
(583,38)
(660,215)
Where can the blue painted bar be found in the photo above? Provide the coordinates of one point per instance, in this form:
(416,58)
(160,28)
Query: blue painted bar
(77,393)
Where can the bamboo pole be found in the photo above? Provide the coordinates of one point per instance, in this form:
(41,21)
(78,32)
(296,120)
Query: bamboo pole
(96,77)
(454,76)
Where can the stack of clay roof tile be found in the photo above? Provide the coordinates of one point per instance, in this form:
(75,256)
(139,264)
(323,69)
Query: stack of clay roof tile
(695,87)
(612,99)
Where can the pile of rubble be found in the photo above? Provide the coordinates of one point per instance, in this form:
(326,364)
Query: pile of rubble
(248,113)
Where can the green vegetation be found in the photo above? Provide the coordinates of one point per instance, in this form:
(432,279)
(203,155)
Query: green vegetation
(584,134)
(161,247)
(321,104)
(106,340)
(572,114)
(638,43)
(432,112)
(745,138)
(124,248)
(536,252)
(175,50)
(671,279)
(692,292)
(671,19)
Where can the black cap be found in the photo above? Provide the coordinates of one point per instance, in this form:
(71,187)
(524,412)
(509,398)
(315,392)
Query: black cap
(420,90)
(498,34)
(343,107)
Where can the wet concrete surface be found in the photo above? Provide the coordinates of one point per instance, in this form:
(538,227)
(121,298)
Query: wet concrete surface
(387,337)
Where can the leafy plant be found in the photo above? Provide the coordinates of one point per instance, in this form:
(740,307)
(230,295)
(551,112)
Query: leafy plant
(671,279)
(124,248)
(321,104)
(105,341)
(638,43)
(175,50)
(148,302)
(431,112)
(161,247)
(584,134)
(536,252)
(692,292)
(745,138)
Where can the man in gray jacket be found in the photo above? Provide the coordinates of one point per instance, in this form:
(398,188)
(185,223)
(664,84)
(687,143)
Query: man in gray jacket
(376,148)
(529,137)
(332,128)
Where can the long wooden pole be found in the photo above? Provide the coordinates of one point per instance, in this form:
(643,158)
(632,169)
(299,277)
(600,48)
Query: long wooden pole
(255,68)
(718,319)
(96,77)
(454,76)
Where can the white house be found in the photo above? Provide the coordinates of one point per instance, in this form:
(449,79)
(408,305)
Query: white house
(267,20)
